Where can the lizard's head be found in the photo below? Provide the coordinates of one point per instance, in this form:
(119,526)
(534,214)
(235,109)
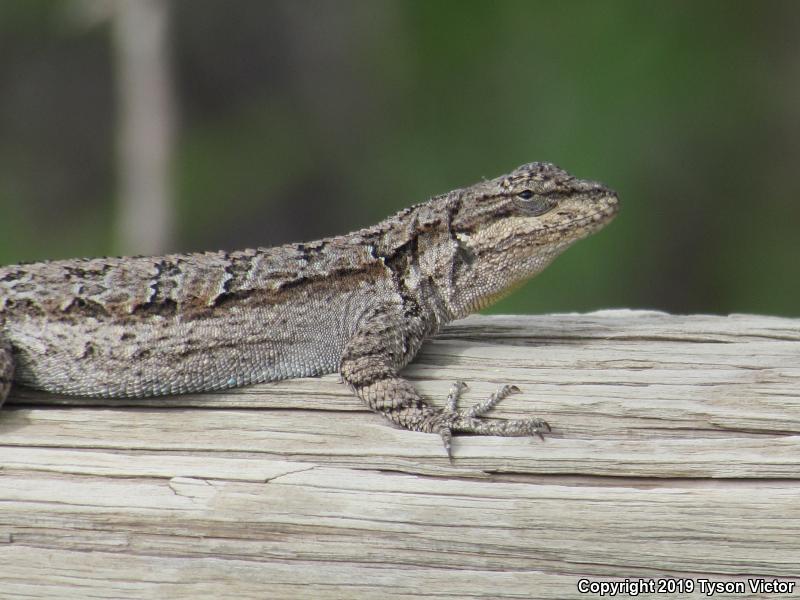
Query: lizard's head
(510,228)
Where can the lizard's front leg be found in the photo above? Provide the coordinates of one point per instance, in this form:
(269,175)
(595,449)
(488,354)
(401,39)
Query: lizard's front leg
(384,343)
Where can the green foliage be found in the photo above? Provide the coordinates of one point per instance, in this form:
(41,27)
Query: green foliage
(305,119)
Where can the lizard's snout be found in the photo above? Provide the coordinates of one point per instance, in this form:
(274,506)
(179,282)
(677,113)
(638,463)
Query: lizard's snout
(601,196)
(587,185)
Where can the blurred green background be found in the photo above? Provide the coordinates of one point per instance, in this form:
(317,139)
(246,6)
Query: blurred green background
(300,119)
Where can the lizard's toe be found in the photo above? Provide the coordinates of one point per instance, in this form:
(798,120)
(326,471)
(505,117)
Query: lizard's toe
(447,440)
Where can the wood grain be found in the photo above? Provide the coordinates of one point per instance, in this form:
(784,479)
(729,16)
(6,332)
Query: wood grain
(675,453)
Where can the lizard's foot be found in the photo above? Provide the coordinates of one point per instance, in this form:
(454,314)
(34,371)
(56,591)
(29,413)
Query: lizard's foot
(469,421)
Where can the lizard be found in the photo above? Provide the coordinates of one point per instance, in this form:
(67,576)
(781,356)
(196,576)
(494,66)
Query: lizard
(361,304)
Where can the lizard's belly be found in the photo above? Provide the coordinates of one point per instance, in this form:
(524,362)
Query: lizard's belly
(174,355)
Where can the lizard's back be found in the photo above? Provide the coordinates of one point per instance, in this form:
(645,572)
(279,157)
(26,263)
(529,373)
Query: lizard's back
(187,322)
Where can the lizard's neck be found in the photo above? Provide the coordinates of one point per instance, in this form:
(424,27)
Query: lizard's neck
(468,279)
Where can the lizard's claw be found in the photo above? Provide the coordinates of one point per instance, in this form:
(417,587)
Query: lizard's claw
(447,439)
(538,426)
(470,421)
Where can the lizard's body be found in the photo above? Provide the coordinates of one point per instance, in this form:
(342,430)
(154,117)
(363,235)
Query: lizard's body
(361,303)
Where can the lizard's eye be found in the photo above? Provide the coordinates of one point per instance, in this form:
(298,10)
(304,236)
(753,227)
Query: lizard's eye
(534,204)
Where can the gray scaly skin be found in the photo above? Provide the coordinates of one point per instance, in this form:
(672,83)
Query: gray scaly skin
(361,303)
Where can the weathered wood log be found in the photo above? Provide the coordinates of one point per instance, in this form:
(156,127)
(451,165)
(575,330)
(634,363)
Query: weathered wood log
(675,453)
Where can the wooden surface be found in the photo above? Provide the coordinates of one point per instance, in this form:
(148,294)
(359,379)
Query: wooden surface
(675,453)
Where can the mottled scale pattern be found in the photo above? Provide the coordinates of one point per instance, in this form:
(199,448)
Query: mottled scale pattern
(180,323)
(361,303)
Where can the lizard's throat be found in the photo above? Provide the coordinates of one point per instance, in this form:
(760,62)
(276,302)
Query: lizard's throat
(493,277)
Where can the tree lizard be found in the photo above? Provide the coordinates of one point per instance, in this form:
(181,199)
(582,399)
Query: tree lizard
(361,304)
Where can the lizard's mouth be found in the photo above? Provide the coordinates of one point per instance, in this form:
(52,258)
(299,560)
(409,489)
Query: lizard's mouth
(607,209)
